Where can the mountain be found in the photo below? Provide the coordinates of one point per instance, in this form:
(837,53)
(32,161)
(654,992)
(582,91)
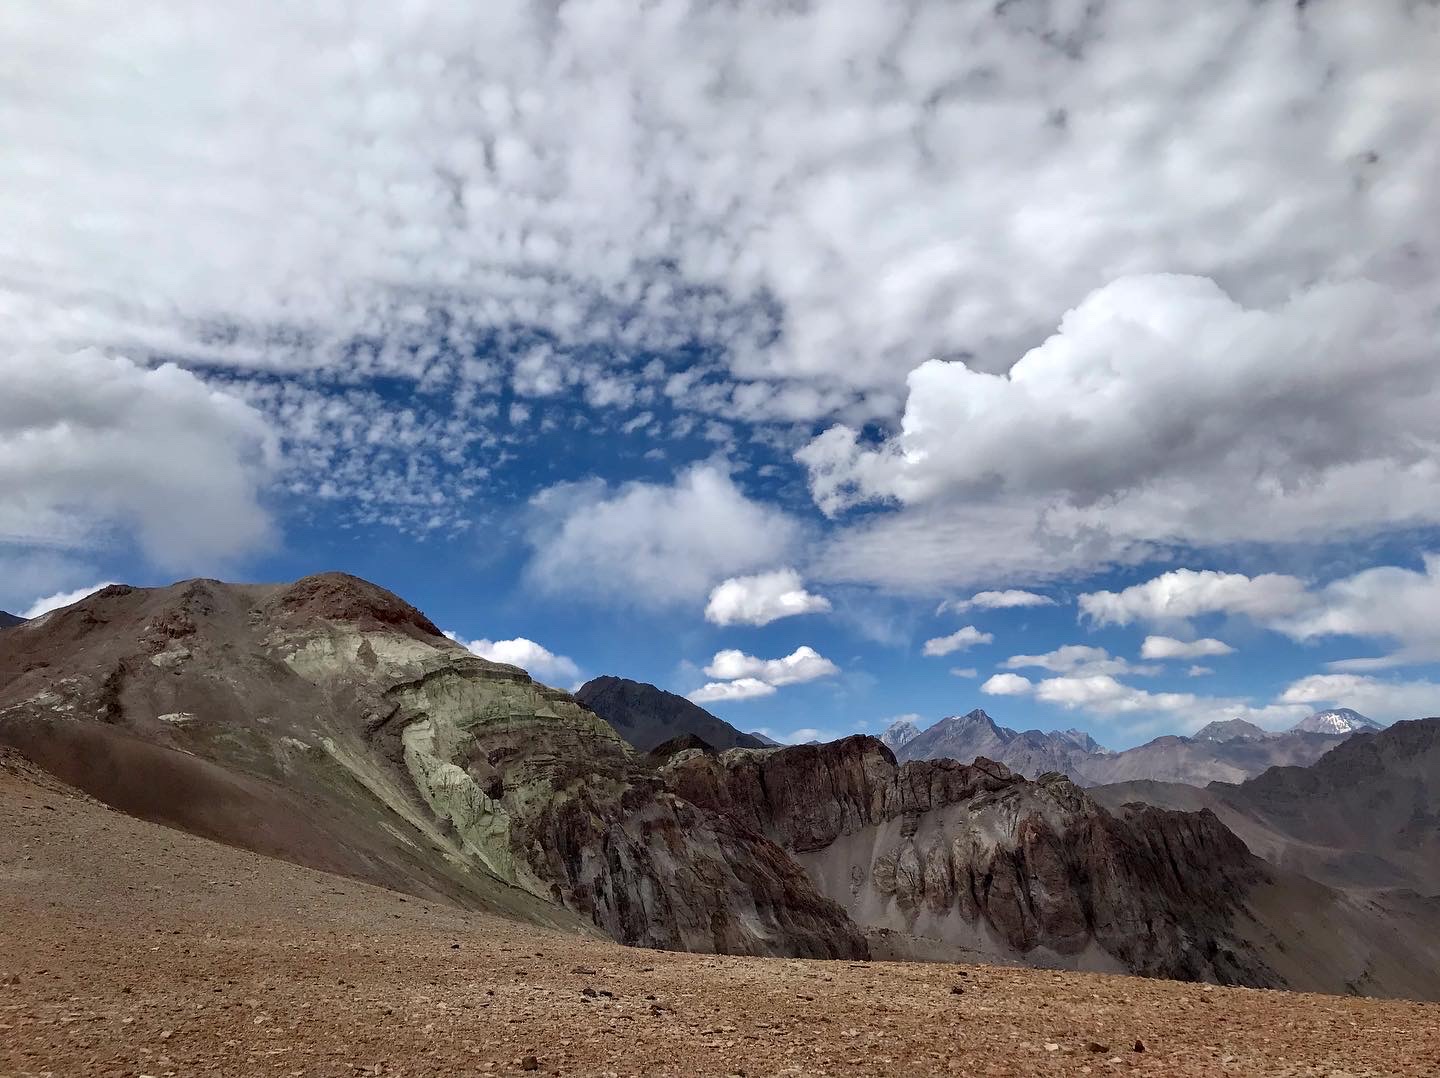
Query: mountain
(1220,752)
(329,723)
(1365,816)
(646,716)
(1229,730)
(938,859)
(765,740)
(7,620)
(1031,753)
(899,733)
(1340,720)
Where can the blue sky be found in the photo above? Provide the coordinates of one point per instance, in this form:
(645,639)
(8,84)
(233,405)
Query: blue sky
(556,318)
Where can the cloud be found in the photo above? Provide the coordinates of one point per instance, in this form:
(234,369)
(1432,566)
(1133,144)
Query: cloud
(814,228)
(1187,593)
(761,599)
(1386,602)
(1167,647)
(1199,671)
(964,671)
(960,640)
(1387,700)
(535,659)
(1007,685)
(1107,697)
(995,600)
(64,598)
(803,664)
(93,446)
(746,688)
(649,543)
(1080,659)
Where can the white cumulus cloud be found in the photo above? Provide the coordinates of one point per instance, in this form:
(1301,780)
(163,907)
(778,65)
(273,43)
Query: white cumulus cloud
(802,664)
(64,598)
(649,543)
(1078,659)
(995,600)
(761,599)
(959,640)
(1385,699)
(1188,593)
(1007,685)
(746,688)
(535,659)
(1167,647)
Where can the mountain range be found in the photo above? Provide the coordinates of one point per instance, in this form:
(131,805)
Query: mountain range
(1230,751)
(8,619)
(330,723)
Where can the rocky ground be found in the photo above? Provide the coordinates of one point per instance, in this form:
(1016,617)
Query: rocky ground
(130,949)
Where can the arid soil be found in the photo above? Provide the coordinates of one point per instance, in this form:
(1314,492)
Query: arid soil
(130,949)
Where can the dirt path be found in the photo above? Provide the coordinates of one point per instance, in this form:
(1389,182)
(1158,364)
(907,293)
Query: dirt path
(129,949)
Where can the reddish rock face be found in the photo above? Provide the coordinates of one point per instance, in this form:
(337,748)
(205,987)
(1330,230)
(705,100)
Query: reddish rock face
(1036,864)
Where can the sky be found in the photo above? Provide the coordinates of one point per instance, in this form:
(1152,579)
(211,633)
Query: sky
(825,362)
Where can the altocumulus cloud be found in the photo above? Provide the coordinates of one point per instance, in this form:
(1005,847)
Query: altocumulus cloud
(853,198)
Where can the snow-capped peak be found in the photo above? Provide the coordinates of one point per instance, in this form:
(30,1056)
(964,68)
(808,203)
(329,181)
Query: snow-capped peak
(1339,720)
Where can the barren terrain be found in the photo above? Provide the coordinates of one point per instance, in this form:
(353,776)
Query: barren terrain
(131,949)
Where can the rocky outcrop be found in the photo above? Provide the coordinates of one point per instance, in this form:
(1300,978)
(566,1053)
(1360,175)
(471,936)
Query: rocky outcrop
(646,716)
(979,856)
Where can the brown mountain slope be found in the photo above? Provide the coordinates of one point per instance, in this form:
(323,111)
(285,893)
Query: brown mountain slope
(211,960)
(331,723)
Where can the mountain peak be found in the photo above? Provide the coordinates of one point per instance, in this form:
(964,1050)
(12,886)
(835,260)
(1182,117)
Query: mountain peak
(900,732)
(1337,720)
(1228,730)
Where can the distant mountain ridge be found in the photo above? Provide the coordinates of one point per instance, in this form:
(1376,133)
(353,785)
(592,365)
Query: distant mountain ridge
(1340,720)
(7,619)
(647,716)
(1223,751)
(1031,752)
(1365,815)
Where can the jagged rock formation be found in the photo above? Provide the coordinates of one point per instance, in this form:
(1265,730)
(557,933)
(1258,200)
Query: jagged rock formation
(977,857)
(646,716)
(331,723)
(1230,730)
(1339,720)
(7,619)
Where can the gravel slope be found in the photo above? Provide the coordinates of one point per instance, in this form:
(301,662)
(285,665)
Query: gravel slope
(130,949)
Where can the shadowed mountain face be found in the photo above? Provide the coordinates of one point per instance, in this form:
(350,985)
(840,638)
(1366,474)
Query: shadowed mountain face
(330,723)
(1366,815)
(7,620)
(646,716)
